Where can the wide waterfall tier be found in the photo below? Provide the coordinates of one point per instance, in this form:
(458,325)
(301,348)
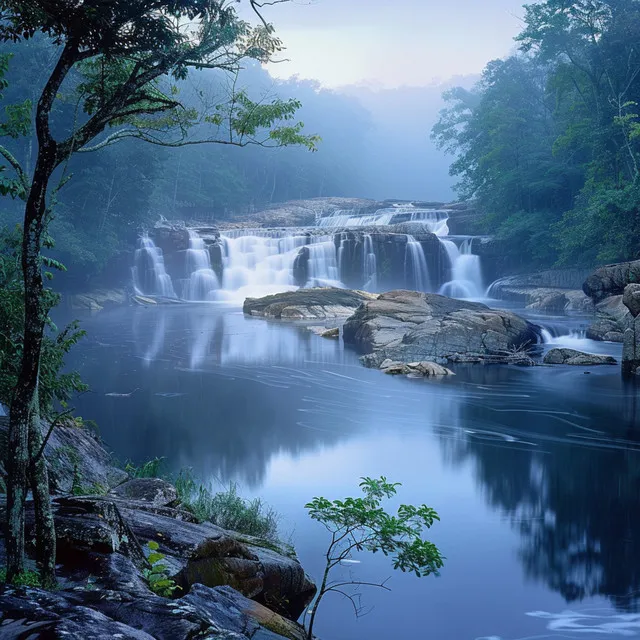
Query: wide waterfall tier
(432,220)
(208,265)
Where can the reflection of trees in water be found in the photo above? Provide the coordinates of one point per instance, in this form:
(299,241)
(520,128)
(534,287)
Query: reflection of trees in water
(576,506)
(220,410)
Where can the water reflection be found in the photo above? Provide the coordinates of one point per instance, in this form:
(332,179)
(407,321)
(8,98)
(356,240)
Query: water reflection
(554,452)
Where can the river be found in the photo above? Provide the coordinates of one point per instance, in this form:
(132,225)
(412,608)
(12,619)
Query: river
(535,472)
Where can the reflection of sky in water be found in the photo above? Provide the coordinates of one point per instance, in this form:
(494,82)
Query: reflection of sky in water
(534,471)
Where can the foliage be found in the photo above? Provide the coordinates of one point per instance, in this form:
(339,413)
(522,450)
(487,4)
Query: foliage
(56,385)
(362,524)
(149,469)
(227,509)
(24,579)
(158,576)
(548,142)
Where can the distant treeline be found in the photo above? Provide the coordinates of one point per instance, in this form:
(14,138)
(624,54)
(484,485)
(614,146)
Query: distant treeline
(118,189)
(549,139)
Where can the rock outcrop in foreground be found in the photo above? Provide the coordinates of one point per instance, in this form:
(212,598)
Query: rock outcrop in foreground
(307,304)
(407,326)
(232,586)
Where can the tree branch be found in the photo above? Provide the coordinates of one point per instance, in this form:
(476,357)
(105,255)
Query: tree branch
(22,176)
(54,423)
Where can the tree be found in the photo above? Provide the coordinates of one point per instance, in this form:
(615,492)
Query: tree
(132,56)
(361,524)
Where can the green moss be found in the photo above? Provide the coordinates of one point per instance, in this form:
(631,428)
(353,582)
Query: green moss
(24,579)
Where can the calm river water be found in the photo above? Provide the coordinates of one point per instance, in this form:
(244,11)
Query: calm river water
(535,472)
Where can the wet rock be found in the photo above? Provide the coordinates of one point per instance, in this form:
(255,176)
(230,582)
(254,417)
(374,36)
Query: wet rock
(611,280)
(407,326)
(97,300)
(424,369)
(631,341)
(612,319)
(307,304)
(576,358)
(152,490)
(74,451)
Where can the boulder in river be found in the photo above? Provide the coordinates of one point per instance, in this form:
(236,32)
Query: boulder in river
(611,280)
(612,319)
(424,369)
(576,358)
(631,343)
(307,304)
(408,326)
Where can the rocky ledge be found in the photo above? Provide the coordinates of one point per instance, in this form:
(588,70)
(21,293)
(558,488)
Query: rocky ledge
(307,304)
(576,358)
(611,280)
(407,327)
(230,585)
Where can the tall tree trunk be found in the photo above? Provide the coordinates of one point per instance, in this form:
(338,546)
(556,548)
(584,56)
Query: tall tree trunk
(25,410)
(45,530)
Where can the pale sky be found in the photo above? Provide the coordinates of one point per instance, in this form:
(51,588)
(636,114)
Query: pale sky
(390,43)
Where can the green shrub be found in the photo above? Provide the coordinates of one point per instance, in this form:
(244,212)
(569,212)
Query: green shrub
(158,575)
(150,469)
(227,509)
(24,579)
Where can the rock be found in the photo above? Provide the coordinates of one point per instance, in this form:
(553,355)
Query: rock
(546,299)
(143,301)
(611,280)
(97,300)
(565,279)
(425,369)
(102,615)
(631,299)
(212,556)
(307,304)
(407,326)
(631,340)
(577,358)
(331,333)
(612,319)
(153,490)
(74,451)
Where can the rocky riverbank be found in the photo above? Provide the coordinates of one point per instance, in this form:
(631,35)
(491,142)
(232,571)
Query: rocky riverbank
(229,585)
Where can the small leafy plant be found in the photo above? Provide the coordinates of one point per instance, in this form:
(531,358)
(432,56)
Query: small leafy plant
(150,469)
(24,579)
(362,524)
(158,575)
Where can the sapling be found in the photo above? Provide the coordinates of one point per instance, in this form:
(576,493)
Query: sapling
(362,524)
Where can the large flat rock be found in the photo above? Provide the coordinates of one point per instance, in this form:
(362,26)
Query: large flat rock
(307,304)
(611,280)
(407,326)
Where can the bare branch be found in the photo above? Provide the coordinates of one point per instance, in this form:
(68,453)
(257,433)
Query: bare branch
(54,423)
(22,176)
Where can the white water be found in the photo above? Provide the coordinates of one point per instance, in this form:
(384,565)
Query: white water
(435,220)
(149,274)
(415,264)
(259,263)
(203,282)
(323,263)
(466,271)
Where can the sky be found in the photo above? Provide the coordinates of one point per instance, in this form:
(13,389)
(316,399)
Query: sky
(390,43)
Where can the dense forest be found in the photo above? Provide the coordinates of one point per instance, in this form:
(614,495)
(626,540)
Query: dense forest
(548,141)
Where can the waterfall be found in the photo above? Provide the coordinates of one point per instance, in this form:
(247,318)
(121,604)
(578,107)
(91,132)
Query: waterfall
(370,265)
(466,271)
(149,274)
(323,263)
(433,220)
(415,266)
(203,282)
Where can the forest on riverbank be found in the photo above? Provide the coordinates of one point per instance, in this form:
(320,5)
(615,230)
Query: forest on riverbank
(548,141)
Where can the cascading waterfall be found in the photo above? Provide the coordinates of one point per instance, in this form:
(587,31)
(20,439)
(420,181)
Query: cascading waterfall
(415,266)
(434,220)
(149,274)
(466,271)
(258,262)
(203,282)
(323,263)
(370,266)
